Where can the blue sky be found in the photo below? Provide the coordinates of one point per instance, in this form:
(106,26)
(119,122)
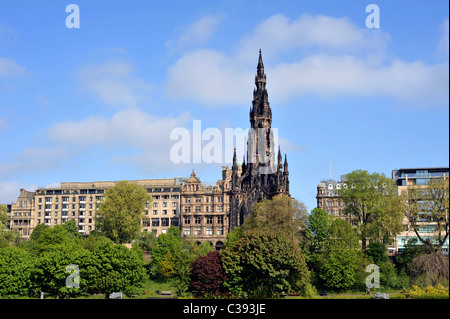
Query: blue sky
(99,102)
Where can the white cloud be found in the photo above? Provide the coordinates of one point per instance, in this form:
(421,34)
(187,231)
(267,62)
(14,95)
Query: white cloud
(349,75)
(210,77)
(194,34)
(146,135)
(11,69)
(329,56)
(114,83)
(9,190)
(278,34)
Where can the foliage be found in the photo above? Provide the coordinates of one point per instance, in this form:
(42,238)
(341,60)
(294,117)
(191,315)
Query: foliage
(119,215)
(274,266)
(166,266)
(372,206)
(111,267)
(410,251)
(341,260)
(50,273)
(146,240)
(207,276)
(282,214)
(164,243)
(233,237)
(434,265)
(316,233)
(429,292)
(16,266)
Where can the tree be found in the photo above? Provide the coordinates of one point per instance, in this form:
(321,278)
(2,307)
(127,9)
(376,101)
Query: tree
(281,214)
(119,215)
(264,264)
(167,266)
(51,270)
(16,267)
(112,267)
(207,276)
(434,265)
(425,205)
(45,238)
(316,233)
(341,260)
(165,243)
(372,206)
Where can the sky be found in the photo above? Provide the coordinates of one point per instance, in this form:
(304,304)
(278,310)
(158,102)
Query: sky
(99,102)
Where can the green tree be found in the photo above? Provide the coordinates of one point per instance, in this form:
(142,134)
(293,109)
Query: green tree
(316,234)
(167,266)
(340,263)
(264,264)
(45,238)
(281,214)
(112,267)
(233,237)
(372,206)
(119,215)
(167,242)
(16,267)
(51,270)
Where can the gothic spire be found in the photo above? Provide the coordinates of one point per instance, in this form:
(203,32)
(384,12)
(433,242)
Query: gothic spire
(260,68)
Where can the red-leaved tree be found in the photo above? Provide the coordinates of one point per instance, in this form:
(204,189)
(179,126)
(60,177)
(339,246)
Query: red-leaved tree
(207,275)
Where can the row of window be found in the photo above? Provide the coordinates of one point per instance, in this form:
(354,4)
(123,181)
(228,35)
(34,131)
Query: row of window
(208,199)
(66,192)
(156,222)
(199,218)
(208,209)
(199,231)
(65,199)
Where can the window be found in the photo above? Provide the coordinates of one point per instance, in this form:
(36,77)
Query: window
(164,221)
(155,204)
(209,219)
(209,231)
(219,230)
(174,221)
(197,219)
(174,204)
(155,222)
(164,211)
(187,220)
(220,219)
(155,212)
(197,231)
(164,204)
(187,231)
(198,209)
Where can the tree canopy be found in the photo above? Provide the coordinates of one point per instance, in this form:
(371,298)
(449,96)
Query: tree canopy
(119,215)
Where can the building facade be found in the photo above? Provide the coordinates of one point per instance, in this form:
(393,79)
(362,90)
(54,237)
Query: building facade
(79,201)
(22,214)
(204,212)
(407,177)
(328,197)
